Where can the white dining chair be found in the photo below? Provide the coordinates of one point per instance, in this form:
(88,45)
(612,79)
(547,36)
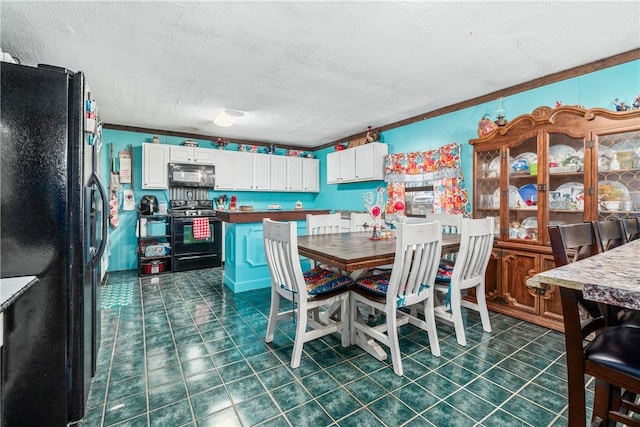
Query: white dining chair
(410,282)
(360,222)
(476,243)
(308,292)
(450,222)
(323,224)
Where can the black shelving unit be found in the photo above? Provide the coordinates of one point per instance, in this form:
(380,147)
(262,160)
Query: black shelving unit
(157,264)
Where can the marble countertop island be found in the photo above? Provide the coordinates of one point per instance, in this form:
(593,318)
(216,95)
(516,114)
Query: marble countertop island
(612,277)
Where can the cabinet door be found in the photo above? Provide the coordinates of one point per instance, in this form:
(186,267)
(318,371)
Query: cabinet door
(550,303)
(261,172)
(181,154)
(278,173)
(364,162)
(348,165)
(333,168)
(311,171)
(205,156)
(155,174)
(517,267)
(243,171)
(617,191)
(225,167)
(294,174)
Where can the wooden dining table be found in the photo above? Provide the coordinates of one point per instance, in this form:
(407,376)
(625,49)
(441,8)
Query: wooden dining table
(355,253)
(611,278)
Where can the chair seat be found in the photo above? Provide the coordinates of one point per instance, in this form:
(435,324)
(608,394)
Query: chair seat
(376,284)
(320,281)
(444,271)
(618,348)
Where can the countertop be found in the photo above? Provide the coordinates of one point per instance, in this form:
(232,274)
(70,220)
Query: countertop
(11,288)
(237,217)
(612,277)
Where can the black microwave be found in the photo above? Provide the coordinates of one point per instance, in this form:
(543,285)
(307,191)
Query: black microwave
(188,175)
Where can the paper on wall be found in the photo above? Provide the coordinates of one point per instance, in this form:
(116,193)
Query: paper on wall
(125,166)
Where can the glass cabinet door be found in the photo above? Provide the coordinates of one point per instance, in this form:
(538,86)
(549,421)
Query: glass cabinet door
(487,186)
(565,198)
(618,182)
(521,195)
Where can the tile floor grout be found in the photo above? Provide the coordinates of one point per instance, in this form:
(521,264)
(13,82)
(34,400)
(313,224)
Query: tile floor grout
(241,317)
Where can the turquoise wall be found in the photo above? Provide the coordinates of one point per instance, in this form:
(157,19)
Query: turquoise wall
(597,89)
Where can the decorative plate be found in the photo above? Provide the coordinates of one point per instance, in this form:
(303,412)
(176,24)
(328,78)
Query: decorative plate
(529,192)
(514,198)
(530,222)
(605,156)
(529,157)
(612,191)
(559,153)
(570,191)
(494,165)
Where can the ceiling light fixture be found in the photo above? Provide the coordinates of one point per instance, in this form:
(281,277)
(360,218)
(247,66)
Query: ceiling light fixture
(226,118)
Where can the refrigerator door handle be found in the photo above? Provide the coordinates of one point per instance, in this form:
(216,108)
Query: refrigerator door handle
(95,180)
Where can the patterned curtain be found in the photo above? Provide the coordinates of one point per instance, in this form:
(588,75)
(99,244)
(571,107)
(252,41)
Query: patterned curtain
(440,168)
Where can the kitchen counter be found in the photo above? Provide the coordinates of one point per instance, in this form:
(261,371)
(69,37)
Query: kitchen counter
(11,288)
(239,217)
(245,263)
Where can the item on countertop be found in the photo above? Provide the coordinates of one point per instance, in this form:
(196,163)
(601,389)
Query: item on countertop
(274,207)
(232,204)
(190,143)
(221,202)
(298,205)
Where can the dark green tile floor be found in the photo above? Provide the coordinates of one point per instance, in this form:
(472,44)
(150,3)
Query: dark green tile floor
(186,351)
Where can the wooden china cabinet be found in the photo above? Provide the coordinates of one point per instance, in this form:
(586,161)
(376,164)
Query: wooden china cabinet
(560,165)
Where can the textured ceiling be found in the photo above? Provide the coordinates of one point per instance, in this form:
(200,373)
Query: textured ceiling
(307,73)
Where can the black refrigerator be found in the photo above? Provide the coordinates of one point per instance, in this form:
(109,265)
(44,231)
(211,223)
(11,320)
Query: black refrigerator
(54,218)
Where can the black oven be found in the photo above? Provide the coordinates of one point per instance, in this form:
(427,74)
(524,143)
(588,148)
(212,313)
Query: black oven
(190,253)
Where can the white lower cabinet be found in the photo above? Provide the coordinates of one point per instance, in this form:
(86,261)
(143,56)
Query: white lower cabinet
(155,161)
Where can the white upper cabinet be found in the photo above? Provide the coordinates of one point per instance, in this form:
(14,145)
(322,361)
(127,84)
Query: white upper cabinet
(181,154)
(243,170)
(225,170)
(363,163)
(294,174)
(155,160)
(261,172)
(278,173)
(311,178)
